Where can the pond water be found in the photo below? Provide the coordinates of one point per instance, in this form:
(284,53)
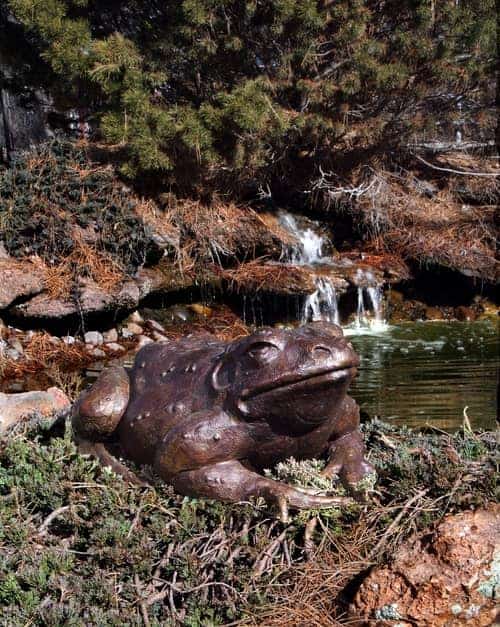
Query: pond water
(422,373)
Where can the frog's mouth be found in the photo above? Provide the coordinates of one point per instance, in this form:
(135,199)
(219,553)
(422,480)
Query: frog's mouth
(312,382)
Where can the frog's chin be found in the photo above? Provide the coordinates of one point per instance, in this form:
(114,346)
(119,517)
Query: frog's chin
(307,401)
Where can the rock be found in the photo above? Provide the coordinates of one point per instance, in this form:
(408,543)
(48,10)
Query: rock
(126,334)
(18,279)
(110,336)
(17,407)
(155,326)
(134,328)
(12,353)
(93,337)
(16,345)
(159,337)
(201,310)
(116,348)
(136,317)
(92,299)
(465,313)
(143,340)
(451,579)
(433,313)
(69,339)
(98,353)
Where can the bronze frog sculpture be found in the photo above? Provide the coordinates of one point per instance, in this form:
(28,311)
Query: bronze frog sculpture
(208,415)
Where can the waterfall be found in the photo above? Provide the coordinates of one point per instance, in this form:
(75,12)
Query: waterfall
(322,304)
(310,249)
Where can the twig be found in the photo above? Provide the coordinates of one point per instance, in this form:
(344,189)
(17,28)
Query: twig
(464,172)
(395,523)
(46,523)
(142,603)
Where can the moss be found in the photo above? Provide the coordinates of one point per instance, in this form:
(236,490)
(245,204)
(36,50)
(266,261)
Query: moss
(112,552)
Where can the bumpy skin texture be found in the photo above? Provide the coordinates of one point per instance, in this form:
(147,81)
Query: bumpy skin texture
(209,415)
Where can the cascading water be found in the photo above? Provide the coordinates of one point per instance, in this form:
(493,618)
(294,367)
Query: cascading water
(322,304)
(310,249)
(369,290)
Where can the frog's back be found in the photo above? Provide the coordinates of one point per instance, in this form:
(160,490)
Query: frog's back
(168,383)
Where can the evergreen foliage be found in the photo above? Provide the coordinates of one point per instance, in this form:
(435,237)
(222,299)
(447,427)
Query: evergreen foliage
(234,90)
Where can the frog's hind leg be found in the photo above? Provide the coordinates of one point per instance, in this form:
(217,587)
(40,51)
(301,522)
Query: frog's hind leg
(97,413)
(232,481)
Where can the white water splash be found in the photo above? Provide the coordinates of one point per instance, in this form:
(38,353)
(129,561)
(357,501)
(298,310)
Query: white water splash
(369,293)
(310,249)
(322,304)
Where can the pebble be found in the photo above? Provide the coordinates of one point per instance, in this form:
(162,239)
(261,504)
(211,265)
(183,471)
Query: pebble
(93,337)
(134,328)
(68,339)
(155,326)
(110,336)
(16,345)
(143,341)
(97,352)
(126,334)
(136,317)
(116,348)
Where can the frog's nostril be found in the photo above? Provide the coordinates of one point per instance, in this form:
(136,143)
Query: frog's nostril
(320,352)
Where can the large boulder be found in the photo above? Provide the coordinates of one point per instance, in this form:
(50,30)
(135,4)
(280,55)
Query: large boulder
(17,407)
(451,578)
(18,279)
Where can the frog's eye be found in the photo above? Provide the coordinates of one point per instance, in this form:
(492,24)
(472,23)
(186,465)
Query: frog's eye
(263,352)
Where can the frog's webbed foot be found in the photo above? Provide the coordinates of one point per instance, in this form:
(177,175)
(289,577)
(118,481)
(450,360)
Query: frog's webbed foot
(233,482)
(347,460)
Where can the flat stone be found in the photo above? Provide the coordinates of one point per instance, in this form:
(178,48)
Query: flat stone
(116,348)
(154,325)
(17,407)
(134,328)
(92,299)
(110,336)
(93,337)
(18,279)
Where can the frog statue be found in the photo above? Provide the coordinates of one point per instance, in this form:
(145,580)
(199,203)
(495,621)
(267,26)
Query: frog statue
(209,415)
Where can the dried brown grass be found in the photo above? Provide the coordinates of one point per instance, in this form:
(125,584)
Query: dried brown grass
(259,275)
(404,221)
(84,261)
(222,323)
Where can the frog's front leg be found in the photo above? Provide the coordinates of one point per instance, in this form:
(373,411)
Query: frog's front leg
(347,450)
(206,457)
(97,413)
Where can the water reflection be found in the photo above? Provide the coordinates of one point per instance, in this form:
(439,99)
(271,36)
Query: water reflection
(427,372)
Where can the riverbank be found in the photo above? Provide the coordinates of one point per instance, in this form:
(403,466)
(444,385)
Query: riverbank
(80,545)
